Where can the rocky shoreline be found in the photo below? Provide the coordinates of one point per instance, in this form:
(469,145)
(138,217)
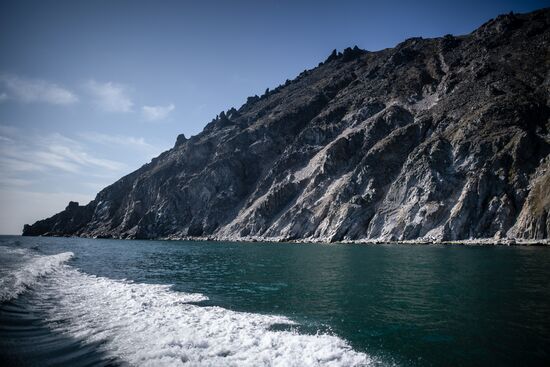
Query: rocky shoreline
(443,139)
(466,242)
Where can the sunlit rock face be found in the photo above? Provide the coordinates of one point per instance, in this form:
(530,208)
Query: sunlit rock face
(435,139)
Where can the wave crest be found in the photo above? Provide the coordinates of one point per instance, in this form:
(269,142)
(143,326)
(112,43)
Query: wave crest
(152,325)
(26,269)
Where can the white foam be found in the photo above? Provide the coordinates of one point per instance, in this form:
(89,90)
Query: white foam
(25,269)
(152,325)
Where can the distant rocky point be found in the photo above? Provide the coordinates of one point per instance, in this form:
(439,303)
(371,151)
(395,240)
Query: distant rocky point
(434,140)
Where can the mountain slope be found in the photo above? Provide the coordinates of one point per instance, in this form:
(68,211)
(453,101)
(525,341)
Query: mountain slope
(435,139)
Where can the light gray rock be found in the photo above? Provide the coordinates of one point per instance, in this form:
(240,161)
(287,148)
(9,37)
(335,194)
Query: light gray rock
(442,139)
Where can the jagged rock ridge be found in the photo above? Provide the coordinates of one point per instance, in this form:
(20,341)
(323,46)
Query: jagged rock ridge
(435,139)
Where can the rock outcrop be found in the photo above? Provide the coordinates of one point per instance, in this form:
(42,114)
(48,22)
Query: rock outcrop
(435,139)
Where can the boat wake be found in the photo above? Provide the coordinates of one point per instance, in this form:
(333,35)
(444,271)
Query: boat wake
(152,325)
(21,268)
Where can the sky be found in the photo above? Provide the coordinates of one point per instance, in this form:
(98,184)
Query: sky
(92,90)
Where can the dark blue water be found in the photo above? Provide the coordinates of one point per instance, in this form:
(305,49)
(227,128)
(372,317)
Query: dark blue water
(199,303)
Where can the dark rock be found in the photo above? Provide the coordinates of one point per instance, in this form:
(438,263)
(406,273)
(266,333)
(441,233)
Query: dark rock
(351,53)
(332,56)
(180,140)
(436,139)
(73,205)
(252,99)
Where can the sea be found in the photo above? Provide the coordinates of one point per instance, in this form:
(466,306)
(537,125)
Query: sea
(101,302)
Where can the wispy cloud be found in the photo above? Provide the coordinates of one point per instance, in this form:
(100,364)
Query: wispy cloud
(128,141)
(67,151)
(34,90)
(24,153)
(155,113)
(14,182)
(109,96)
(38,170)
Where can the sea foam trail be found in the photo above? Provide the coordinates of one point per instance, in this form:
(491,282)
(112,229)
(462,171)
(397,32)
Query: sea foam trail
(151,325)
(21,269)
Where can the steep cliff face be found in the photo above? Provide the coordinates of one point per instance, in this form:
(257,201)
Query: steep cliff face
(439,139)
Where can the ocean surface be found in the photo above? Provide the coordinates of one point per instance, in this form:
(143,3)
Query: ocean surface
(92,302)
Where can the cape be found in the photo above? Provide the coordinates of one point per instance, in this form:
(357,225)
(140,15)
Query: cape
(434,140)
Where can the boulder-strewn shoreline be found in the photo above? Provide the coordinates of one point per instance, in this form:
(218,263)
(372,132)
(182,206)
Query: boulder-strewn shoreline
(466,242)
(434,141)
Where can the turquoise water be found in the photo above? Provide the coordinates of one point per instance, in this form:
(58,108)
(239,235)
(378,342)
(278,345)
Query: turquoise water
(107,302)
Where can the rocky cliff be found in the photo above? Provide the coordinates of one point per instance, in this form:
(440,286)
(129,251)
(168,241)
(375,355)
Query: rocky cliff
(435,139)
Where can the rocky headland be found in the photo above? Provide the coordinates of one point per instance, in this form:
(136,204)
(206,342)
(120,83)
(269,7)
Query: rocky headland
(435,140)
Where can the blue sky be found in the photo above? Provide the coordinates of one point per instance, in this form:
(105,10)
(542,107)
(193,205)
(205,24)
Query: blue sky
(91,90)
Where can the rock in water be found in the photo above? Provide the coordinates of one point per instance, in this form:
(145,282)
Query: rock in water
(435,139)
